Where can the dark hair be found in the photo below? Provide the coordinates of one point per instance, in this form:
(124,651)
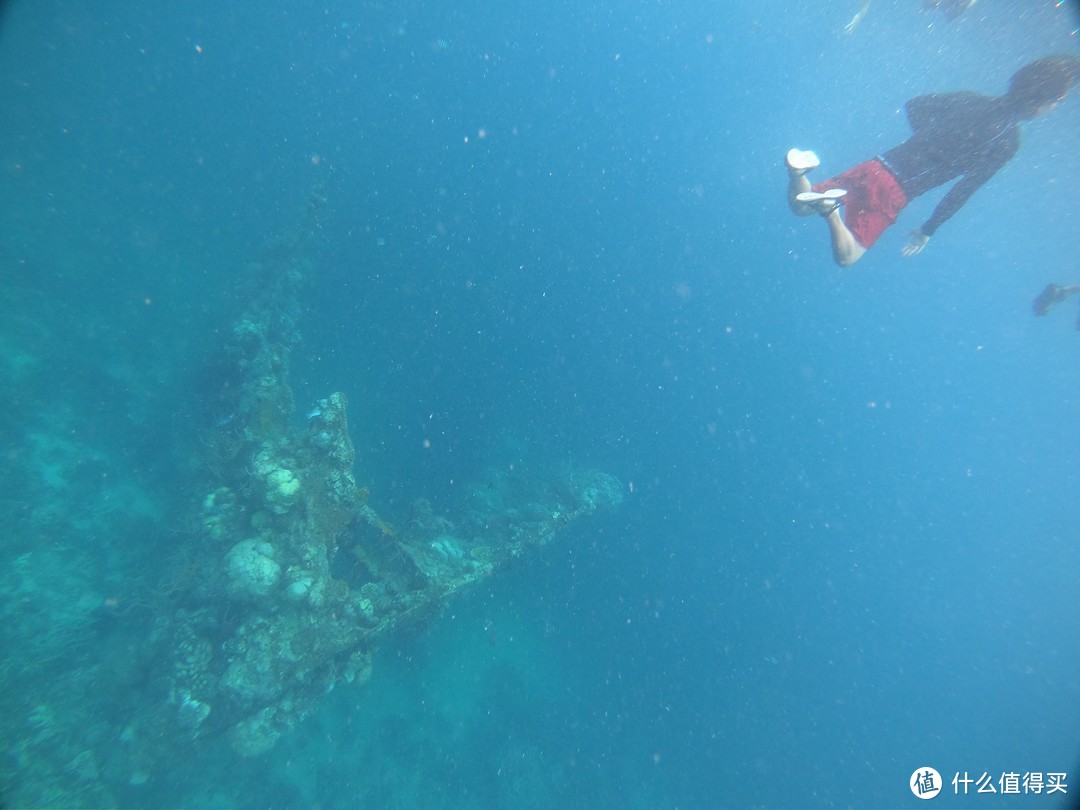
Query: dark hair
(1042,82)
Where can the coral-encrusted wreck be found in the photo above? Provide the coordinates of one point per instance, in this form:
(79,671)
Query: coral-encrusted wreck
(300,575)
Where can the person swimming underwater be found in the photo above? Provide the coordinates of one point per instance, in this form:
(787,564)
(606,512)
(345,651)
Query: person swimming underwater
(1052,295)
(960,139)
(952,9)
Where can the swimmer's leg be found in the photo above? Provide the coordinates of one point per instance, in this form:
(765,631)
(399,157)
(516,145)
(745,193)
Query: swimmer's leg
(846,249)
(800,162)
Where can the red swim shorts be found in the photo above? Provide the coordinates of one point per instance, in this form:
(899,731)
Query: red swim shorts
(874,199)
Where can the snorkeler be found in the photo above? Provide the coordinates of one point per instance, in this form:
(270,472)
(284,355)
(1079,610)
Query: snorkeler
(961,135)
(1051,295)
(950,8)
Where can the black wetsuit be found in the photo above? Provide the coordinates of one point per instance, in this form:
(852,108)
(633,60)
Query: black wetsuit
(962,135)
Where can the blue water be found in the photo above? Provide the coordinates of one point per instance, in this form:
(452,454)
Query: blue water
(848,547)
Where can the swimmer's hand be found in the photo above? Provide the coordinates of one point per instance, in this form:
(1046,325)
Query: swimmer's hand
(916,242)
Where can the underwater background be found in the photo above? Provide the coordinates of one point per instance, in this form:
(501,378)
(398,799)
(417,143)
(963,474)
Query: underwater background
(847,545)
